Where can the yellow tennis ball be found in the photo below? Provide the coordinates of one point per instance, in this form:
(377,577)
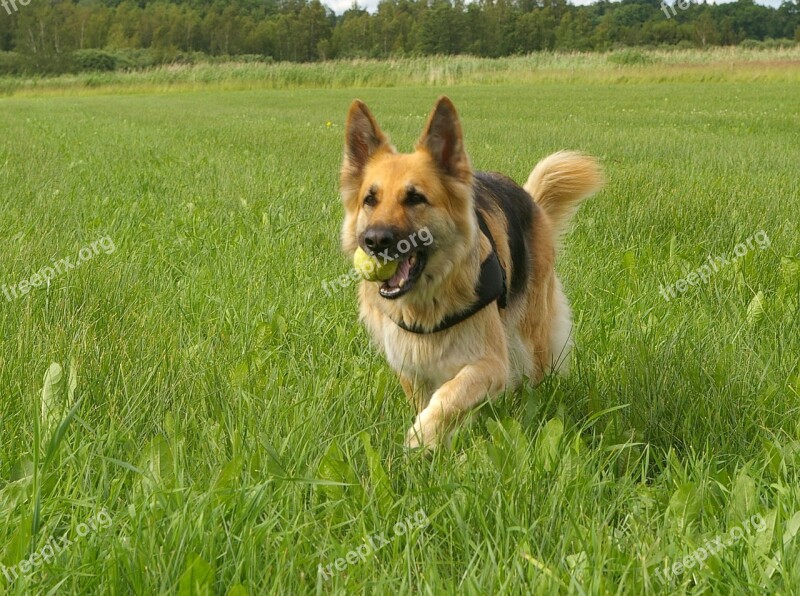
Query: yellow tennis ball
(371,268)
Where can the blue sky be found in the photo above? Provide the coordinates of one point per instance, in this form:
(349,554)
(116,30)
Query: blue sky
(339,6)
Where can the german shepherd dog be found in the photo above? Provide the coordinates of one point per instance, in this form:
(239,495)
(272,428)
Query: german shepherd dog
(470,313)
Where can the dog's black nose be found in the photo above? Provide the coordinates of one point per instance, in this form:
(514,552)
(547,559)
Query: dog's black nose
(378,239)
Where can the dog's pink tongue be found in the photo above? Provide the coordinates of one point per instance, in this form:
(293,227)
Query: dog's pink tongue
(403,270)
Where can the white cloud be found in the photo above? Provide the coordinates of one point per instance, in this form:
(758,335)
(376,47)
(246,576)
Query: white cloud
(339,6)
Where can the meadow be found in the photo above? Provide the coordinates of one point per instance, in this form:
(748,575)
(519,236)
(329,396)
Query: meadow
(186,409)
(737,63)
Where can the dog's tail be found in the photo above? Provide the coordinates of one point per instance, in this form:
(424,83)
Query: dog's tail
(560,182)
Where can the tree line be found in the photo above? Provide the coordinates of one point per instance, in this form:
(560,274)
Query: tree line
(58,36)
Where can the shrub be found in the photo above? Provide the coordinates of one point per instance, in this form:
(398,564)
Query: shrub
(751,44)
(770,44)
(94,60)
(251,58)
(11,63)
(629,57)
(135,58)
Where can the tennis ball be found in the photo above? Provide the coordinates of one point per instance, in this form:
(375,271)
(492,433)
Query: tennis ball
(371,269)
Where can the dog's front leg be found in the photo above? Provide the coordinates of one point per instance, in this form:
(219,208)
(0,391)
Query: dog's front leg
(473,384)
(417,392)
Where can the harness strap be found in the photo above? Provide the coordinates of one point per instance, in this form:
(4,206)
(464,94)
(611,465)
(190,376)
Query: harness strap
(491,286)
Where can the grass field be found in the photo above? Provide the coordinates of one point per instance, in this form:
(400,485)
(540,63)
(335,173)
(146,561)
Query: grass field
(620,66)
(219,423)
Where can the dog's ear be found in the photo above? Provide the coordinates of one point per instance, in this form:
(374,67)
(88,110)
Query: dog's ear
(443,139)
(363,138)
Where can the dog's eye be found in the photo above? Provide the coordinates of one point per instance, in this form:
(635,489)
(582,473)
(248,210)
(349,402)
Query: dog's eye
(415,198)
(370,200)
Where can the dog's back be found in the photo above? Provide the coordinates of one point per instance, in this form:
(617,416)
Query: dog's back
(506,205)
(527,225)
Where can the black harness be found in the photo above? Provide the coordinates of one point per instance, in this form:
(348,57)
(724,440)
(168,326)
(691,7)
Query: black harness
(491,286)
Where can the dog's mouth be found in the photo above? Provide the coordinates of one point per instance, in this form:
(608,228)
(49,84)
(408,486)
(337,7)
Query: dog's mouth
(406,276)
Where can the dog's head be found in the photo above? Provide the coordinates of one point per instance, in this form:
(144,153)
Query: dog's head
(415,208)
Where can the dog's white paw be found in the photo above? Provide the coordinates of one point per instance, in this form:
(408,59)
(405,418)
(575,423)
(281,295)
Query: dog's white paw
(427,432)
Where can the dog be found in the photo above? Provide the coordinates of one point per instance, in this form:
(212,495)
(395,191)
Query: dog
(469,314)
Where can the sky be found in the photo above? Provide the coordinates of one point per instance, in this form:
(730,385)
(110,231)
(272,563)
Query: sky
(339,6)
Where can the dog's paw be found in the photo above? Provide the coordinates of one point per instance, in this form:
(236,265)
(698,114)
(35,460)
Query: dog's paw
(427,432)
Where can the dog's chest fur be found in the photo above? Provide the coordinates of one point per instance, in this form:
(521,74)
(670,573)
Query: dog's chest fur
(434,361)
(436,357)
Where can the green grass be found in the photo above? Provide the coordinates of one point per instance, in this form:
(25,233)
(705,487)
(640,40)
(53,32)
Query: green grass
(238,429)
(738,64)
